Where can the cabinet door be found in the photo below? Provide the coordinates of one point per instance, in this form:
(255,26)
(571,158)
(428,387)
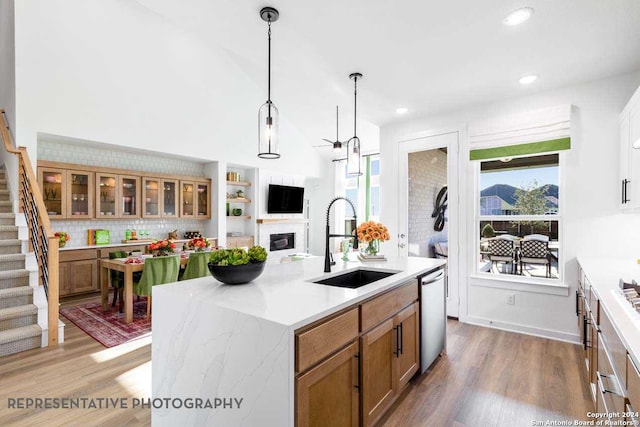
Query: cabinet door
(152,199)
(83,275)
(169,198)
(634,154)
(53,185)
(79,194)
(106,195)
(64,279)
(187,199)
(407,327)
(129,200)
(203,201)
(378,371)
(327,395)
(625,161)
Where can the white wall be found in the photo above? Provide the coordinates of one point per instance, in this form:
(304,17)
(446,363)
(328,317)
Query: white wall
(592,224)
(8,86)
(115,72)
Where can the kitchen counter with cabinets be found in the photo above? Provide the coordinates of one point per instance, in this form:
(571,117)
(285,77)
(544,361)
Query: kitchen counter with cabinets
(274,343)
(610,332)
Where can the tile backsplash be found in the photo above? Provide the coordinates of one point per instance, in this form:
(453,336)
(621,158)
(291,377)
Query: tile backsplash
(114,158)
(158,228)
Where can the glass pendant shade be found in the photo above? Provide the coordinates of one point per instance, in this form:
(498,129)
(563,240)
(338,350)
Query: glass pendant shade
(353,156)
(268,121)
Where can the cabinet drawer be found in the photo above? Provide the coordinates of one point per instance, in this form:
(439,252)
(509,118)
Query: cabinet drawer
(77,255)
(616,350)
(322,340)
(380,308)
(608,384)
(633,384)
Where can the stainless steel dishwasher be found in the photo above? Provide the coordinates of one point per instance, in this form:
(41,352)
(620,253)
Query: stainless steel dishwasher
(433,318)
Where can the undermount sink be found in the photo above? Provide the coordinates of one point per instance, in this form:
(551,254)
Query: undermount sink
(355,279)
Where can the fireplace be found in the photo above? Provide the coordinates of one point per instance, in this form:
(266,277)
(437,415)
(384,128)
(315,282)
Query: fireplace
(280,242)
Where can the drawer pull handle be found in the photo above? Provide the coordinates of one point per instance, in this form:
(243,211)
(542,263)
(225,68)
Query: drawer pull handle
(612,384)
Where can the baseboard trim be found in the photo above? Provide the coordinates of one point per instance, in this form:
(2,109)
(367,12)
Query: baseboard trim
(523,329)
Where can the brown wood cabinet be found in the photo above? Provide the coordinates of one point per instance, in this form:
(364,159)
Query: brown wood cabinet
(328,393)
(239,242)
(78,271)
(72,191)
(388,332)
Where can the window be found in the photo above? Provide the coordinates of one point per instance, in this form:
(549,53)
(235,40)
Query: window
(518,218)
(364,191)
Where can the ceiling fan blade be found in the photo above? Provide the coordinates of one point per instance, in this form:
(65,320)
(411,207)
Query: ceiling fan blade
(323,145)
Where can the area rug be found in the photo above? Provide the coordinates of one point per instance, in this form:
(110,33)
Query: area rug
(108,327)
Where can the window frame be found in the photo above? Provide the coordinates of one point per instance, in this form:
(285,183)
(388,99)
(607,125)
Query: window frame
(485,277)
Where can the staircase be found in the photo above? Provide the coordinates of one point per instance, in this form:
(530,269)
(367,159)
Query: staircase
(19,330)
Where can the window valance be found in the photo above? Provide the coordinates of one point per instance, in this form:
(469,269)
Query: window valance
(534,132)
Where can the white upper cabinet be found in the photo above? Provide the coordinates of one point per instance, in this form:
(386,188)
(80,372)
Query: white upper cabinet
(629,186)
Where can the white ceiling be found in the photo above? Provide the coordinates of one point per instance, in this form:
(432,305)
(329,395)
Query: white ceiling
(430,56)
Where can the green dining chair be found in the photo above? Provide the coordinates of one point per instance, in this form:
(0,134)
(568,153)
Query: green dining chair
(117,279)
(156,271)
(196,266)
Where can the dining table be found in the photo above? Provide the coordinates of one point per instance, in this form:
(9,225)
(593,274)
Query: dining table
(128,268)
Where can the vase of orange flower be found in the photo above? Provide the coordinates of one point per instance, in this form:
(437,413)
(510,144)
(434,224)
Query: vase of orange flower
(161,247)
(198,244)
(372,233)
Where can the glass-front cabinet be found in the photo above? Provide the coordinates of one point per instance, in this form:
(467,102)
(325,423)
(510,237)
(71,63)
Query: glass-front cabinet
(52,184)
(130,196)
(170,198)
(106,195)
(187,202)
(79,194)
(151,193)
(203,202)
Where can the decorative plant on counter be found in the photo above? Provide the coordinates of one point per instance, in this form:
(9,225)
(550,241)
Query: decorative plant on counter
(161,247)
(237,266)
(372,233)
(63,237)
(198,244)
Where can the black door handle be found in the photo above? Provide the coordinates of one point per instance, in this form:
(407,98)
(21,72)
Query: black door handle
(357,356)
(401,337)
(397,329)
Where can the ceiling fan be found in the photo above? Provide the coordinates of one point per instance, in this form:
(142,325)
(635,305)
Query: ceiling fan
(337,144)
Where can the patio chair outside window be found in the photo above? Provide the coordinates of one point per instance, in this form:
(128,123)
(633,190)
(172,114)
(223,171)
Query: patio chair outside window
(502,249)
(535,252)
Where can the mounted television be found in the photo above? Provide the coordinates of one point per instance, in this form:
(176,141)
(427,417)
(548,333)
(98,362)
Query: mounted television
(284,199)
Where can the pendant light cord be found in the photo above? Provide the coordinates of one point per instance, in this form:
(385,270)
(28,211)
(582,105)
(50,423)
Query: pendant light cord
(269,67)
(355,105)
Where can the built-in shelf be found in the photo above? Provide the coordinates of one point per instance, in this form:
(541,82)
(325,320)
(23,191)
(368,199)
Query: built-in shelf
(239,183)
(238,216)
(274,220)
(245,200)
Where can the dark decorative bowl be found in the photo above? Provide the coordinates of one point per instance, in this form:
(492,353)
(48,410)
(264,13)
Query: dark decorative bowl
(236,274)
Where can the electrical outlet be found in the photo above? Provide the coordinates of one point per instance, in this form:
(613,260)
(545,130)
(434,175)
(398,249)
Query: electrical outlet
(511,299)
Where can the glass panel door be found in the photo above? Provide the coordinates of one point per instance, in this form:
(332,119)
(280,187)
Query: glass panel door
(151,194)
(170,198)
(203,200)
(53,191)
(186,196)
(129,199)
(106,195)
(79,194)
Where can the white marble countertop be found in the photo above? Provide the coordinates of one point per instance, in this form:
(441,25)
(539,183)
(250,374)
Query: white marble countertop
(112,245)
(285,295)
(604,275)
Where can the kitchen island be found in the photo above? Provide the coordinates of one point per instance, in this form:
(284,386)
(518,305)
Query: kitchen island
(234,346)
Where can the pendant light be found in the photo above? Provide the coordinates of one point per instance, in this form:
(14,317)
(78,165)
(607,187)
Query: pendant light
(353,145)
(268,113)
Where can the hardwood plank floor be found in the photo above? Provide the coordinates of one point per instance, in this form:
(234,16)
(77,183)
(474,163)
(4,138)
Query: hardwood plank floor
(495,378)
(80,367)
(488,378)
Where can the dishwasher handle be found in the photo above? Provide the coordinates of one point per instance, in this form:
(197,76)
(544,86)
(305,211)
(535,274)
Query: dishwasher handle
(433,277)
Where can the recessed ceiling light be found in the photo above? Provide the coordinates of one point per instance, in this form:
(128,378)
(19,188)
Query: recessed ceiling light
(402,110)
(528,79)
(518,16)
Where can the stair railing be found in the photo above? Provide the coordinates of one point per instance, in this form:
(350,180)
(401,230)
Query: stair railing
(42,240)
